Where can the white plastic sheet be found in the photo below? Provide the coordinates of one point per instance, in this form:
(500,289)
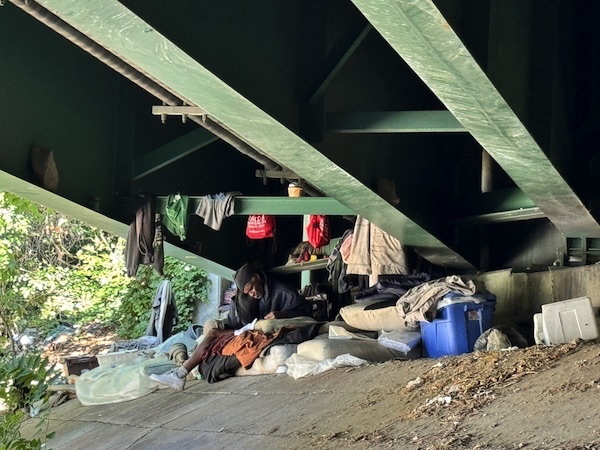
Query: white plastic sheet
(301,366)
(102,386)
(402,340)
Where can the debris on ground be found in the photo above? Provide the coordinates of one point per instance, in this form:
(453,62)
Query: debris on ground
(89,339)
(468,382)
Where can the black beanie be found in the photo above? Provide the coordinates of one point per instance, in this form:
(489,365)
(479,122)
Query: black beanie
(244,275)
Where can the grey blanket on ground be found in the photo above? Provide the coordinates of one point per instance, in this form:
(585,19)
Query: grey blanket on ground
(419,303)
(214,208)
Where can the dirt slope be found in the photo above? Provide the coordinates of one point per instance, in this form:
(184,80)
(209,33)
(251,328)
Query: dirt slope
(533,398)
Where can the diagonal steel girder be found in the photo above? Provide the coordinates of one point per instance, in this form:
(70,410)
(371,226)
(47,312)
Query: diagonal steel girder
(115,27)
(418,32)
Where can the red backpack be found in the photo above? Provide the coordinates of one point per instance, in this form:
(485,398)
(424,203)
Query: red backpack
(260,226)
(318,230)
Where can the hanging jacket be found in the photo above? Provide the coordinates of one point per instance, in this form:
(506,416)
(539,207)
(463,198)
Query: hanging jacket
(164,312)
(336,267)
(144,240)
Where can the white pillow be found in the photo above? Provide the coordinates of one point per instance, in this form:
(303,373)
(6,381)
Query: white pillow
(369,350)
(372,319)
(340,323)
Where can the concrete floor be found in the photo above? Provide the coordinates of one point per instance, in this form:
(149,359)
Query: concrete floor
(369,407)
(252,412)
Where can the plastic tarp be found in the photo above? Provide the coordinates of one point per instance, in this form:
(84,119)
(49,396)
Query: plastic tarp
(402,340)
(301,366)
(180,338)
(124,382)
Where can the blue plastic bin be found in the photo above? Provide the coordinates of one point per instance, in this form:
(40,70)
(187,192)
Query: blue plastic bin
(456,328)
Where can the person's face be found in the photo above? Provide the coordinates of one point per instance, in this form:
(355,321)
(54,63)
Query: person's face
(254,288)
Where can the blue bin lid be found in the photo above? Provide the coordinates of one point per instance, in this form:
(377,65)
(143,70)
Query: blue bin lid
(488,296)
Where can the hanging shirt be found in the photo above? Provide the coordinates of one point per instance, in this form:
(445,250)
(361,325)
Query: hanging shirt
(215,207)
(176,214)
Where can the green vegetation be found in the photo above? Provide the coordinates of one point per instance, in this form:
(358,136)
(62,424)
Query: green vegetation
(54,269)
(190,285)
(24,390)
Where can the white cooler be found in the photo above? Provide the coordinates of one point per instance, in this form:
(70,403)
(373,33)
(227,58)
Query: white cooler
(568,320)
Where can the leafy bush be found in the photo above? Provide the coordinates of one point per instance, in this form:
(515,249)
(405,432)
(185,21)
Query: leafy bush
(10,434)
(24,384)
(190,285)
(54,268)
(24,380)
(90,291)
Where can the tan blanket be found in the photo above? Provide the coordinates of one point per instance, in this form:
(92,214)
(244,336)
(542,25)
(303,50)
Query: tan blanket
(419,303)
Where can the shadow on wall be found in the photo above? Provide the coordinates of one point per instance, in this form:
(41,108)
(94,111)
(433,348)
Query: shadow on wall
(521,295)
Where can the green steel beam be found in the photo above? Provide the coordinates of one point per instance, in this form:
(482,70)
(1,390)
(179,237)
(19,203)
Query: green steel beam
(499,200)
(502,206)
(114,27)
(290,206)
(282,206)
(505,205)
(394,122)
(418,32)
(502,217)
(171,152)
(314,98)
(50,200)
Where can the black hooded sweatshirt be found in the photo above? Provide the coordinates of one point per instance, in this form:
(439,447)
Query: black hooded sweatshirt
(277,297)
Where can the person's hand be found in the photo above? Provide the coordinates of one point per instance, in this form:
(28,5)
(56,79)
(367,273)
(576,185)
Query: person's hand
(275,315)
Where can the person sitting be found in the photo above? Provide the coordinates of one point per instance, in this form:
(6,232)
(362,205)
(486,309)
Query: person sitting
(258,297)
